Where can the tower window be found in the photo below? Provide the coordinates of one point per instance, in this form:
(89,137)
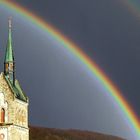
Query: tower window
(6,67)
(2,115)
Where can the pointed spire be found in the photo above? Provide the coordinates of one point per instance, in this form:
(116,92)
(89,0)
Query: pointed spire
(9,64)
(9,57)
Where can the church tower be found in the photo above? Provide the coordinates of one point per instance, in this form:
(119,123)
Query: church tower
(9,64)
(13,101)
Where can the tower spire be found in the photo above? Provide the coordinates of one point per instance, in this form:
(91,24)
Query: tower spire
(9,64)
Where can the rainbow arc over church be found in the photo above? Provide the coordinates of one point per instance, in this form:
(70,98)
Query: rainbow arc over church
(91,66)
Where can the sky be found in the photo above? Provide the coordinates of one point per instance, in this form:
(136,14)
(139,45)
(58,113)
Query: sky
(106,30)
(62,93)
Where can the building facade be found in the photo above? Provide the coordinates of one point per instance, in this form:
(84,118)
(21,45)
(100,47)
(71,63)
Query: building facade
(13,102)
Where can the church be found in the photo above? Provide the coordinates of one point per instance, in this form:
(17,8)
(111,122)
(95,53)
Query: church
(13,102)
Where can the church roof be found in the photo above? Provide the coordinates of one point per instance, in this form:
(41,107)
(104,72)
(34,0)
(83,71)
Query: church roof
(16,89)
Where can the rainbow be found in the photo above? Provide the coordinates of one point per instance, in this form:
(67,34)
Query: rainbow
(113,91)
(133,6)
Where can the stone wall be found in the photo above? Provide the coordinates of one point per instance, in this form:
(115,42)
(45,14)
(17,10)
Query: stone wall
(16,114)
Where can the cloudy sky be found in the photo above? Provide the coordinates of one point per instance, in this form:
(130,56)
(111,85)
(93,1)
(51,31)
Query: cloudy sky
(62,93)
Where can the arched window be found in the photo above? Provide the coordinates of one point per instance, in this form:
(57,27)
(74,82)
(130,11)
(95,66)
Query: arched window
(2,115)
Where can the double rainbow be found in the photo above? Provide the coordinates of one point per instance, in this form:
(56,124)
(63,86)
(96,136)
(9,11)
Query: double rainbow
(87,62)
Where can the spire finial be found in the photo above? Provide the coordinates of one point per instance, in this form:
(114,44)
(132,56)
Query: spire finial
(10,22)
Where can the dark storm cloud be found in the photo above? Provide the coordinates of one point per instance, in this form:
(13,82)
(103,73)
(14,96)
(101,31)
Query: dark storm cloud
(106,30)
(61,95)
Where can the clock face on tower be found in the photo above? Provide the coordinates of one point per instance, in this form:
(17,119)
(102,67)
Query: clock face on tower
(2,136)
